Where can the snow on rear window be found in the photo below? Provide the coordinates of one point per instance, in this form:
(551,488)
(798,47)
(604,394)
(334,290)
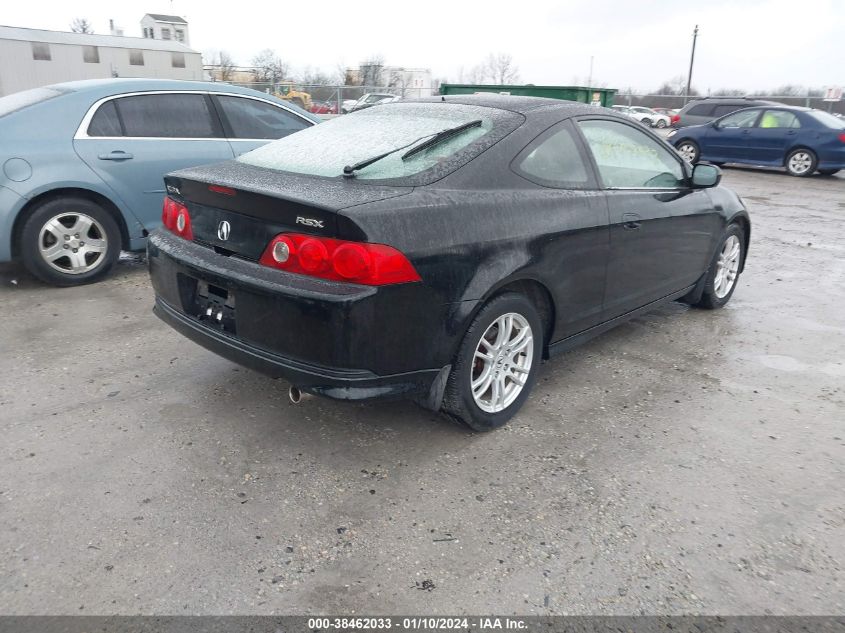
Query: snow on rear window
(21,100)
(325,149)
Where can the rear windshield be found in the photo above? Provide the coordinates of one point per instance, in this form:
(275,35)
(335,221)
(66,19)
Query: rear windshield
(325,149)
(21,100)
(828,119)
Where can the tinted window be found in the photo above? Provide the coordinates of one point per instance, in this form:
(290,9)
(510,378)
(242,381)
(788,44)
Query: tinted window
(553,160)
(250,118)
(167,115)
(778,119)
(702,109)
(628,157)
(722,110)
(105,121)
(743,118)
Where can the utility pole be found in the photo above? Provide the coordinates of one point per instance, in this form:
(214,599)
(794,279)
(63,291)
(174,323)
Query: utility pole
(691,60)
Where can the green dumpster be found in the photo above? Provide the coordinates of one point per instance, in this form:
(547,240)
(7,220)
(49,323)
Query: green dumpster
(596,96)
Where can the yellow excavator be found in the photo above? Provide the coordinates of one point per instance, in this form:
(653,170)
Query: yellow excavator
(287,91)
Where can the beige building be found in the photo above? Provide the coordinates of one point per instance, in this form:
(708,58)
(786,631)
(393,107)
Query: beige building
(32,57)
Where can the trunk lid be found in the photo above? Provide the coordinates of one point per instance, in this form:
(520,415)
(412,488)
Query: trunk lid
(237,208)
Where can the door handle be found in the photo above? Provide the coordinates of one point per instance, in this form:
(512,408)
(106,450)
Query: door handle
(631,221)
(116,155)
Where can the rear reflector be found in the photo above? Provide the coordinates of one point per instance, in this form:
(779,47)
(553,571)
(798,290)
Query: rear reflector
(339,260)
(175,217)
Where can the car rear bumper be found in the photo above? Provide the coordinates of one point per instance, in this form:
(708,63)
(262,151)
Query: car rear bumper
(339,340)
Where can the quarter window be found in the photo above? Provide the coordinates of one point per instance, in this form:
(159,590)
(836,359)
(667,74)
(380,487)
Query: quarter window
(779,119)
(41,51)
(105,122)
(743,118)
(253,119)
(553,160)
(167,116)
(628,158)
(703,109)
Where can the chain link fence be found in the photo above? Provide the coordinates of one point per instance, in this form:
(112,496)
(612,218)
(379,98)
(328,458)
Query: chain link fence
(677,101)
(321,97)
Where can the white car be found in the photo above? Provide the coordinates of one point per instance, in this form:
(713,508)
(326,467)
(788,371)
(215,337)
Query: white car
(647,116)
(372,98)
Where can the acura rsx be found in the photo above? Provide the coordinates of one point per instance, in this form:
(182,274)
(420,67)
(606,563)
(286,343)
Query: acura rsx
(440,249)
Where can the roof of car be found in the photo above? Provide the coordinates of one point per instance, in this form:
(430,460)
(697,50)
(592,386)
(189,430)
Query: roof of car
(512,103)
(111,86)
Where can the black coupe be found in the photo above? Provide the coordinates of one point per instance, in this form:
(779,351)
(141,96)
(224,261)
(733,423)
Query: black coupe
(439,249)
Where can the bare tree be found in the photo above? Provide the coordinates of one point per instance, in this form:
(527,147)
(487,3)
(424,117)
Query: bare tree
(501,69)
(728,92)
(222,63)
(81,25)
(269,67)
(314,77)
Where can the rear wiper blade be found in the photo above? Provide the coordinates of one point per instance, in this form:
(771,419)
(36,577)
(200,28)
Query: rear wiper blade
(440,136)
(349,170)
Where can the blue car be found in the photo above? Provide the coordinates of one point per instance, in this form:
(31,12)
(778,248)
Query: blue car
(800,139)
(83,162)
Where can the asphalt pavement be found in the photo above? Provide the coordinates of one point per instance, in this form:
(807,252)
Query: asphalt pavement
(686,462)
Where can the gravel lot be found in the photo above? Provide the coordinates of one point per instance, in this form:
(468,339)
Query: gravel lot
(687,462)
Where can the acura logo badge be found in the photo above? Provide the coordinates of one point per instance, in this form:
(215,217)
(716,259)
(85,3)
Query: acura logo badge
(223,230)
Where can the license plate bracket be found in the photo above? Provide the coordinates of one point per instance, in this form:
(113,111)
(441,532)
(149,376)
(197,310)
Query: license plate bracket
(215,306)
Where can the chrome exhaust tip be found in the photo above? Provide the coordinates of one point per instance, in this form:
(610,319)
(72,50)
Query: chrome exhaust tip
(295,395)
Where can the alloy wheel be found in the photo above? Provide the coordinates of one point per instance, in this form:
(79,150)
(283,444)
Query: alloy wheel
(502,361)
(73,243)
(688,152)
(727,266)
(800,162)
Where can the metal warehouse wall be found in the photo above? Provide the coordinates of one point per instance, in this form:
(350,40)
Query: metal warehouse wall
(19,71)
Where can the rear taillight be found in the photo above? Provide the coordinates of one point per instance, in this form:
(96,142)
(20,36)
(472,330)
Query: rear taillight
(676,118)
(175,217)
(842,137)
(339,260)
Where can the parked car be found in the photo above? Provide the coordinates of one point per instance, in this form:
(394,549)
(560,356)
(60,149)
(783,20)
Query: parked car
(323,107)
(84,161)
(441,249)
(704,110)
(799,139)
(347,105)
(372,98)
(646,116)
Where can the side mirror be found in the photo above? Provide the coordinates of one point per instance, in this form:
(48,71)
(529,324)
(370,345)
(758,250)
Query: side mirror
(705,175)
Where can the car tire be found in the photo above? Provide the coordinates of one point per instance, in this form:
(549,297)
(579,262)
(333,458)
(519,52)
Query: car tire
(689,150)
(646,121)
(661,123)
(498,395)
(723,274)
(69,241)
(801,162)
(828,172)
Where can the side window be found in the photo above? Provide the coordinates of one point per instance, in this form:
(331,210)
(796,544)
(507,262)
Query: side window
(167,116)
(743,118)
(553,160)
(105,121)
(253,119)
(779,119)
(702,109)
(627,157)
(722,110)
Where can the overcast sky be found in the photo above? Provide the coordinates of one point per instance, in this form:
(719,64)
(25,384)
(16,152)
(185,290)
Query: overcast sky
(747,44)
